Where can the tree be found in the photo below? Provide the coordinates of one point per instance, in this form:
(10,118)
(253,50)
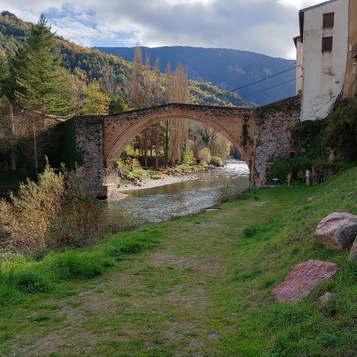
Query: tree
(4,74)
(38,81)
(177,92)
(117,105)
(157,94)
(135,97)
(96,100)
(146,103)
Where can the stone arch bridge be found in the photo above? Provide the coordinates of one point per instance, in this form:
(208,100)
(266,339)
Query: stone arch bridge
(261,135)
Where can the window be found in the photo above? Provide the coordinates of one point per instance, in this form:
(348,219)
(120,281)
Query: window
(328,20)
(327,44)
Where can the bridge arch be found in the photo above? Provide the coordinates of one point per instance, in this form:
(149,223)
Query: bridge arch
(119,132)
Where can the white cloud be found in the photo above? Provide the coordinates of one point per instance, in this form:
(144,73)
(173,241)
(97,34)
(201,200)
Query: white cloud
(265,26)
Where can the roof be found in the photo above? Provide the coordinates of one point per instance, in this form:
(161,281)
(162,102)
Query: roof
(317,5)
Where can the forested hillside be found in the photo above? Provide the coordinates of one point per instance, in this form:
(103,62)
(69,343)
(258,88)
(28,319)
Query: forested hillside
(227,69)
(94,64)
(45,79)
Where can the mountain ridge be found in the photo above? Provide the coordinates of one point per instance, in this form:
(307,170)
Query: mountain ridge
(227,69)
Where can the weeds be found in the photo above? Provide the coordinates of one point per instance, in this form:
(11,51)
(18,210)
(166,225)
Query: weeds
(20,277)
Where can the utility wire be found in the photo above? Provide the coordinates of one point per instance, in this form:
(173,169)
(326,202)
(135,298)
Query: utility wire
(264,79)
(261,91)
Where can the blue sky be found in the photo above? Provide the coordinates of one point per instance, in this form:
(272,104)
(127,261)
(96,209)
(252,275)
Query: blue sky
(263,26)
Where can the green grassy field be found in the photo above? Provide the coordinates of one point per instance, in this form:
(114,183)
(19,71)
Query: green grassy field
(196,286)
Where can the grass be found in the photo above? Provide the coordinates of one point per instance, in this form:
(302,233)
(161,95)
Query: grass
(196,286)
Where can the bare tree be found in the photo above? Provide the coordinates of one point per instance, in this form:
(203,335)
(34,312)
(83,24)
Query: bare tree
(157,94)
(135,96)
(177,92)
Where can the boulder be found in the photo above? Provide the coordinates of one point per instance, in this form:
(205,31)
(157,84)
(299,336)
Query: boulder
(353,253)
(337,231)
(303,279)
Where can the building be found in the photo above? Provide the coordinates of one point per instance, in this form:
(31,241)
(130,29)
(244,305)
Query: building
(326,56)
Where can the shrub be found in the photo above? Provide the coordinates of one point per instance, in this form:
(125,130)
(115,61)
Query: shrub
(26,218)
(229,192)
(52,213)
(188,157)
(216,161)
(205,155)
(341,131)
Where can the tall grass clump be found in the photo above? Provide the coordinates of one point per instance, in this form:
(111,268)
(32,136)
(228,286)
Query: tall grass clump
(19,277)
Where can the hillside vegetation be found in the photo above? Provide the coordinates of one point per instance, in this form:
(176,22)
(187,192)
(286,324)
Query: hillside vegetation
(93,64)
(200,285)
(226,68)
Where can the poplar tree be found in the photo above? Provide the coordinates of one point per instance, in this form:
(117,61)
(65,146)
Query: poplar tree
(157,94)
(177,92)
(135,96)
(146,103)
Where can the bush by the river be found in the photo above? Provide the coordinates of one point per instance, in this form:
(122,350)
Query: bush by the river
(51,213)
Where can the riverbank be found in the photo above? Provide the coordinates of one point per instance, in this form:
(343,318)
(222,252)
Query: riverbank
(151,183)
(197,286)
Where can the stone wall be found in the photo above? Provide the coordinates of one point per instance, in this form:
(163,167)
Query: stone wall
(89,140)
(272,136)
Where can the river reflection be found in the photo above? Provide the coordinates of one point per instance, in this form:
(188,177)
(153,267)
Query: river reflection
(184,198)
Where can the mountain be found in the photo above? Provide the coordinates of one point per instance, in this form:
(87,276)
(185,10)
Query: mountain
(225,68)
(93,64)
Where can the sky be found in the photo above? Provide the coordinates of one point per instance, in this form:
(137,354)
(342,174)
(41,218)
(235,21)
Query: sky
(262,26)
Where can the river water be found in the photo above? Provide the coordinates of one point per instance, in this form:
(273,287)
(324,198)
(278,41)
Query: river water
(180,199)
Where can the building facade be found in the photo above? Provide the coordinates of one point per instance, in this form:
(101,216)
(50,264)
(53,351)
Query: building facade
(325,65)
(350,86)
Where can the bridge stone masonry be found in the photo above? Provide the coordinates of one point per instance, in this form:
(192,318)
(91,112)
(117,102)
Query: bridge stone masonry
(261,135)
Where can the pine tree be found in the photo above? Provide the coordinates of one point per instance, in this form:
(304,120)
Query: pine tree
(38,81)
(4,74)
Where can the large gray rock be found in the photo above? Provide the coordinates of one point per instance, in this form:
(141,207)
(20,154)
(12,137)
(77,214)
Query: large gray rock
(353,254)
(303,279)
(337,231)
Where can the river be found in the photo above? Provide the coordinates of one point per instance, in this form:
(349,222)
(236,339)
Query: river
(180,199)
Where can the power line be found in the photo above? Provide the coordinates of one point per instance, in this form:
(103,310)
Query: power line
(264,79)
(278,85)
